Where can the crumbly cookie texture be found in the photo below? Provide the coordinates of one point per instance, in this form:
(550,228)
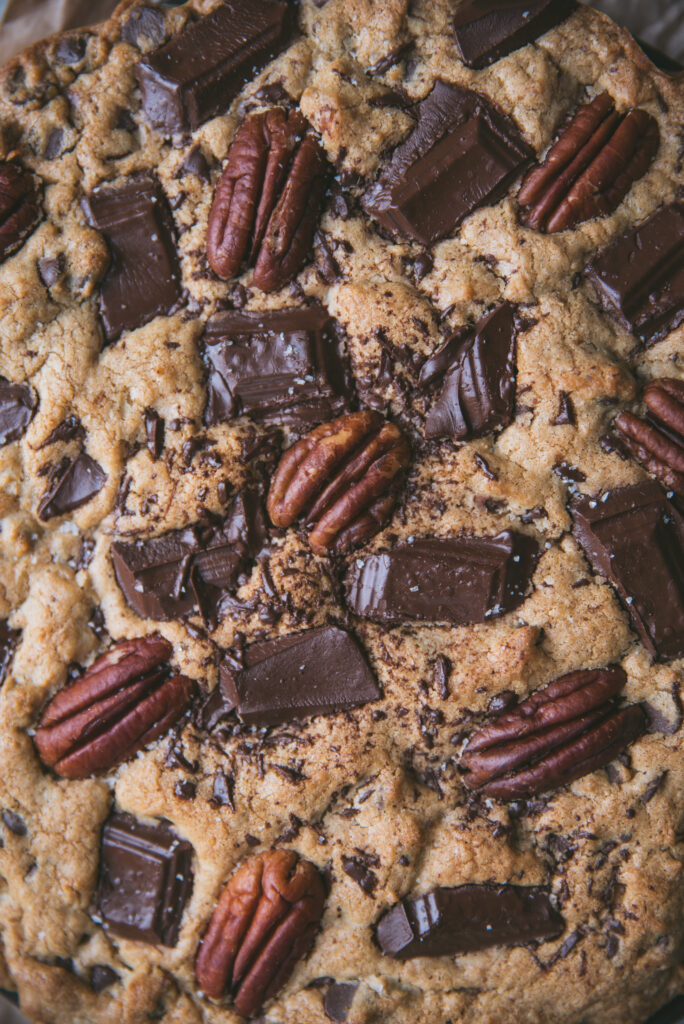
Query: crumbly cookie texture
(376,786)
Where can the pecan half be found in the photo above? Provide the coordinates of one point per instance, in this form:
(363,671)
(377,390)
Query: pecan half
(563,731)
(268,201)
(19,207)
(657,441)
(344,478)
(591,167)
(264,922)
(125,700)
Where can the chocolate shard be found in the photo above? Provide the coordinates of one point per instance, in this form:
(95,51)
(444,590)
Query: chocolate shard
(198,74)
(634,537)
(639,279)
(72,483)
(145,880)
(282,367)
(478,395)
(463,154)
(319,672)
(17,408)
(144,277)
(446,922)
(487,30)
(459,580)
(9,638)
(188,571)
(338,1000)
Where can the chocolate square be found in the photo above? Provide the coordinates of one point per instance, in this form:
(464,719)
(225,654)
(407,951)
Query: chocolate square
(280,367)
(145,880)
(144,277)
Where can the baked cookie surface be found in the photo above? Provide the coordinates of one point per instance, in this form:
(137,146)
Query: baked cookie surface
(412,692)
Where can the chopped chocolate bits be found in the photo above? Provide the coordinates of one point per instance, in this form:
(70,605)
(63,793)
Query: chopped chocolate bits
(445,922)
(145,880)
(487,30)
(144,278)
(198,74)
(319,672)
(634,536)
(71,484)
(17,408)
(9,638)
(443,579)
(478,368)
(464,153)
(284,366)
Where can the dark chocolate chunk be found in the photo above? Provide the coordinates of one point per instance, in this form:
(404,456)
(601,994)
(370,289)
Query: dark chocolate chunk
(283,366)
(195,163)
(72,483)
(154,430)
(222,791)
(444,579)
(14,823)
(144,278)
(198,74)
(639,279)
(144,27)
(54,144)
(634,537)
(188,571)
(463,154)
(145,880)
(9,638)
(17,408)
(568,473)
(566,411)
(445,922)
(338,1000)
(319,672)
(70,429)
(487,30)
(71,50)
(102,977)
(51,269)
(478,395)
(360,873)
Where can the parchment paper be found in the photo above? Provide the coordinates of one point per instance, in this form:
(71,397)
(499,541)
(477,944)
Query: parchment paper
(659,22)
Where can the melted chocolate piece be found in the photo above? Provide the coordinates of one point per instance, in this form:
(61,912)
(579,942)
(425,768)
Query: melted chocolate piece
(145,27)
(154,430)
(102,977)
(144,278)
(72,483)
(198,74)
(189,571)
(463,154)
(445,922)
(338,1000)
(479,388)
(487,30)
(9,638)
(17,408)
(639,279)
(283,367)
(634,537)
(444,579)
(145,880)
(70,429)
(319,672)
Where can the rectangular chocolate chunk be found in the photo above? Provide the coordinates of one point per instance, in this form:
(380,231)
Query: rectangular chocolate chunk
(443,579)
(284,367)
(198,74)
(319,672)
(185,572)
(446,922)
(71,484)
(639,279)
(634,537)
(144,278)
(17,408)
(145,880)
(463,153)
(487,30)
